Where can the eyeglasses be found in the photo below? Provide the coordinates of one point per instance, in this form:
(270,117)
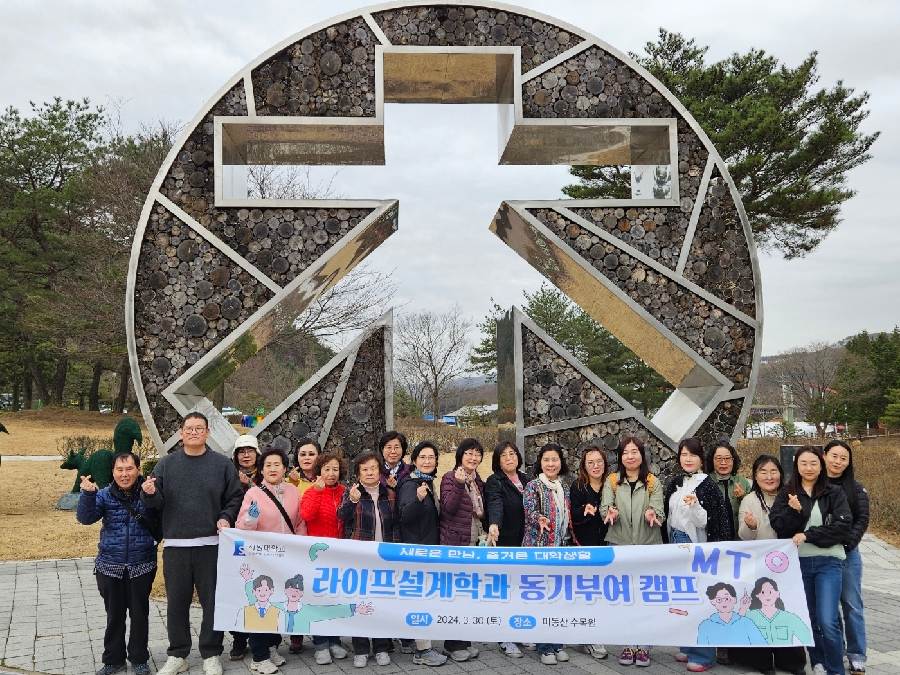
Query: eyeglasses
(247,450)
(773,472)
(427,458)
(471,453)
(722,460)
(594,464)
(194,430)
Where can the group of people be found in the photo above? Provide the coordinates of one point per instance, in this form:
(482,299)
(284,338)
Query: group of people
(194,492)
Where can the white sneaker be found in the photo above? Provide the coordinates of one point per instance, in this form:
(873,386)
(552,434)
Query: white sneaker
(323,657)
(383,659)
(265,667)
(819,669)
(459,655)
(597,651)
(548,659)
(473,652)
(509,649)
(530,646)
(337,651)
(360,660)
(275,657)
(212,666)
(562,656)
(174,664)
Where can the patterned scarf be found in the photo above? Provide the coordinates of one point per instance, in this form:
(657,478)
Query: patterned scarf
(475,496)
(418,475)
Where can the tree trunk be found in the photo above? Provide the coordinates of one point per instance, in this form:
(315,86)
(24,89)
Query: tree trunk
(218,396)
(59,380)
(124,373)
(15,393)
(81,400)
(38,379)
(94,393)
(27,394)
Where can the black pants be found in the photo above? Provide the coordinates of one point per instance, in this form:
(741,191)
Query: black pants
(361,645)
(185,568)
(126,596)
(790,659)
(456,645)
(260,643)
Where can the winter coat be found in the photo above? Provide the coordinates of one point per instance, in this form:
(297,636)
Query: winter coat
(319,510)
(861,521)
(538,501)
(123,541)
(726,489)
(836,517)
(419,520)
(631,527)
(402,473)
(505,507)
(456,510)
(589,530)
(709,496)
(270,518)
(359,518)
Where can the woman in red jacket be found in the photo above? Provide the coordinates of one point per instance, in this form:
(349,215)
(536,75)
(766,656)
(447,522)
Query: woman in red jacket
(319,509)
(462,515)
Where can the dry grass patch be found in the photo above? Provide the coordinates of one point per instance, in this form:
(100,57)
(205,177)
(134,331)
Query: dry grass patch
(37,432)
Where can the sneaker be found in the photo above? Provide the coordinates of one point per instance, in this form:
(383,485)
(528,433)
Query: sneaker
(173,665)
(597,651)
(429,658)
(337,651)
(722,657)
(548,659)
(238,652)
(857,668)
(360,660)
(323,657)
(509,649)
(698,667)
(140,668)
(681,657)
(562,655)
(275,657)
(819,669)
(407,647)
(460,655)
(529,646)
(473,652)
(212,666)
(296,644)
(265,667)
(642,658)
(383,659)
(627,657)
(110,668)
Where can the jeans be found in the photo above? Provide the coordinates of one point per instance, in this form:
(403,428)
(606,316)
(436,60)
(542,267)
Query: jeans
(705,656)
(361,645)
(852,606)
(822,576)
(260,643)
(548,648)
(323,642)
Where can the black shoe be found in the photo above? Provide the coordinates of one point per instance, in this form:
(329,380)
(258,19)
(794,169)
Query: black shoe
(238,652)
(769,671)
(110,668)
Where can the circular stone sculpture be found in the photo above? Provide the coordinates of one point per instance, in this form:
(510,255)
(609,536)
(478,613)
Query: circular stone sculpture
(209,270)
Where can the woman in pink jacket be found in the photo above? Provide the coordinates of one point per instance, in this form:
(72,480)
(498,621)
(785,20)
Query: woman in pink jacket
(262,511)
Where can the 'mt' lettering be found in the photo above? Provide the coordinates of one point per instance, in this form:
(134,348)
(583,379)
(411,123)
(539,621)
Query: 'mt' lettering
(703,564)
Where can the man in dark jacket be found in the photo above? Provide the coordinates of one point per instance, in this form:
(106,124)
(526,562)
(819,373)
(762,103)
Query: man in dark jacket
(125,566)
(198,493)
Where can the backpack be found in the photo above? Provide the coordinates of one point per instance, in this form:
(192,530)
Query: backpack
(614,482)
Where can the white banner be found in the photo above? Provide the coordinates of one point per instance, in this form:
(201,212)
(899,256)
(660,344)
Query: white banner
(727,594)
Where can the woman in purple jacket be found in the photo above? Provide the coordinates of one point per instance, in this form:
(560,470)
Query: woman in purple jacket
(462,515)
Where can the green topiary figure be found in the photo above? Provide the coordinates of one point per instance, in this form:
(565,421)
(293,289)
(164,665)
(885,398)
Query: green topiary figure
(100,463)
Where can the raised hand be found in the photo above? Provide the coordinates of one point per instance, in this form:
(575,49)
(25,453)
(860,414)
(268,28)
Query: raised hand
(611,514)
(355,494)
(87,484)
(253,511)
(364,608)
(245,479)
(392,481)
(745,603)
(544,523)
(294,475)
(738,490)
(460,475)
(149,486)
(246,572)
(590,509)
(750,521)
(690,500)
(794,503)
(650,517)
(319,485)
(422,491)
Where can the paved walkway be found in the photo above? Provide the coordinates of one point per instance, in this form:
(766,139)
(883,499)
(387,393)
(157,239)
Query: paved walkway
(52,621)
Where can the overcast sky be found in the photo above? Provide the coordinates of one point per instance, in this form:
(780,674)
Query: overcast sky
(165,58)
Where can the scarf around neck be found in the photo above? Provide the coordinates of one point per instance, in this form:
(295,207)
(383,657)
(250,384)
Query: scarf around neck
(418,475)
(562,513)
(475,496)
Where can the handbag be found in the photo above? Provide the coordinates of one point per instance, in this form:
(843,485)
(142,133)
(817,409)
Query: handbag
(284,514)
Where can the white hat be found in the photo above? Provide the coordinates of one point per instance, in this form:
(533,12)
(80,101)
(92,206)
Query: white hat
(246,441)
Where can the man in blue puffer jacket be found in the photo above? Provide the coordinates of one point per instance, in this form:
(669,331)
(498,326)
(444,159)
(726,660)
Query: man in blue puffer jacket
(125,565)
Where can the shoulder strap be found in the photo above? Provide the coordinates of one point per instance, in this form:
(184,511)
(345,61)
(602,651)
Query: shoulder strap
(614,481)
(651,484)
(141,520)
(284,514)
